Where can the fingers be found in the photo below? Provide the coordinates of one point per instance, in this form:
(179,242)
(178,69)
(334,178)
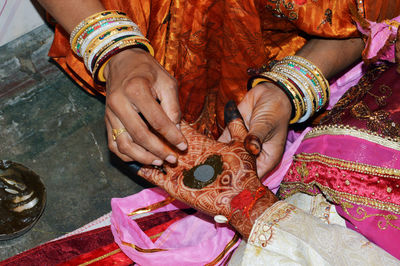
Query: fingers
(123,145)
(131,90)
(122,106)
(253,144)
(234,121)
(162,118)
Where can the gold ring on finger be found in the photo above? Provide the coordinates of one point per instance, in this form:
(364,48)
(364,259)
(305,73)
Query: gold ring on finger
(116,132)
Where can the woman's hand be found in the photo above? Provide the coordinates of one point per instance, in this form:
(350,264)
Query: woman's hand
(266,111)
(137,83)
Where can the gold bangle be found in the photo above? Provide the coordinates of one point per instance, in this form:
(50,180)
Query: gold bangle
(295,98)
(96,41)
(112,45)
(98,70)
(313,69)
(92,20)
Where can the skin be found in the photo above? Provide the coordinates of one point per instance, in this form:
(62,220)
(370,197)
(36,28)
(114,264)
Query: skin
(238,173)
(135,81)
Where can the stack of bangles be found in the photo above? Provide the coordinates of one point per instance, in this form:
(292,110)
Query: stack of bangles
(303,83)
(97,38)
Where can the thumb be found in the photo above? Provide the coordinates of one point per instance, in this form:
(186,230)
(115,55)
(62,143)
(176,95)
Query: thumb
(261,127)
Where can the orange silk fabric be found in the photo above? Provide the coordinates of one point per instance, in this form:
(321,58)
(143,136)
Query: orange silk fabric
(209,45)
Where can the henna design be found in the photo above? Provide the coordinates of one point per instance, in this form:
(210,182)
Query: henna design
(238,174)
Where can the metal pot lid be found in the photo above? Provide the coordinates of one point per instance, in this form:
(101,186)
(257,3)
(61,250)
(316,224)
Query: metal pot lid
(22,199)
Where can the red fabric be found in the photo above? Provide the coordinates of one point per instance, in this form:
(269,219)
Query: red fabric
(107,255)
(96,245)
(55,252)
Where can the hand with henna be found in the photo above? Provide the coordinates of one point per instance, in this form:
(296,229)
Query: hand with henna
(216,178)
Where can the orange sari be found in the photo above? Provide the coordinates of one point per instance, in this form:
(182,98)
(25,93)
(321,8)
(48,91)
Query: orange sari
(210,45)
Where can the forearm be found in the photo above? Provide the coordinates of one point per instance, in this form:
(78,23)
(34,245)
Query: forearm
(332,56)
(70,13)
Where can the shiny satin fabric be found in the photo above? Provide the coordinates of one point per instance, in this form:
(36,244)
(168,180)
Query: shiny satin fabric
(353,158)
(209,45)
(193,240)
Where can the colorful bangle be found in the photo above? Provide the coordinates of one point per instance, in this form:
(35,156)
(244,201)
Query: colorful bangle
(98,69)
(89,31)
(92,20)
(99,45)
(315,70)
(106,28)
(322,97)
(294,96)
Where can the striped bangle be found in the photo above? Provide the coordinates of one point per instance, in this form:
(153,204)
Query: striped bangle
(92,20)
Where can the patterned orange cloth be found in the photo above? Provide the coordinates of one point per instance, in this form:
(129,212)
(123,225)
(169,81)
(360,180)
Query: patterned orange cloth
(209,45)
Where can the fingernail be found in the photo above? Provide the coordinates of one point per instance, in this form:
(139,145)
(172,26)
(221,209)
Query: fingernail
(171,159)
(182,146)
(157,162)
(178,126)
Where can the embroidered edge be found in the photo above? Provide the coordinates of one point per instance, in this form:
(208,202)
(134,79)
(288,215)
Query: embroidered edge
(335,130)
(348,165)
(313,188)
(262,232)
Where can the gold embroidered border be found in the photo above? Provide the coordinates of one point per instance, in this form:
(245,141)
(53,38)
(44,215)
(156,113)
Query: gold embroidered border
(163,203)
(101,257)
(231,243)
(348,165)
(338,197)
(364,215)
(152,207)
(393,143)
(143,250)
(263,229)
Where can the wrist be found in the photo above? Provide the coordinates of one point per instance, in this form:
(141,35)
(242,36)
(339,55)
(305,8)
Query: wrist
(117,58)
(285,104)
(243,223)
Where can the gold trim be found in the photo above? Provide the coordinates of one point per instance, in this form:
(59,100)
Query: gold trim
(393,143)
(152,207)
(144,250)
(337,196)
(348,165)
(361,211)
(101,257)
(226,249)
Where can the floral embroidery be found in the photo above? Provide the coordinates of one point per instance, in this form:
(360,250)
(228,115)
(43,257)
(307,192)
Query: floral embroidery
(353,95)
(289,6)
(362,215)
(263,229)
(343,181)
(377,121)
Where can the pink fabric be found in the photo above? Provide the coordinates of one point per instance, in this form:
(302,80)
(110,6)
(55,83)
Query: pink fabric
(194,240)
(374,224)
(380,43)
(362,151)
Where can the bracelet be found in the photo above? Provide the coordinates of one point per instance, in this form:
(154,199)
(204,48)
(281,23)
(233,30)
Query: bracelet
(98,70)
(322,97)
(309,96)
(99,45)
(89,30)
(315,70)
(100,36)
(293,95)
(103,30)
(92,20)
